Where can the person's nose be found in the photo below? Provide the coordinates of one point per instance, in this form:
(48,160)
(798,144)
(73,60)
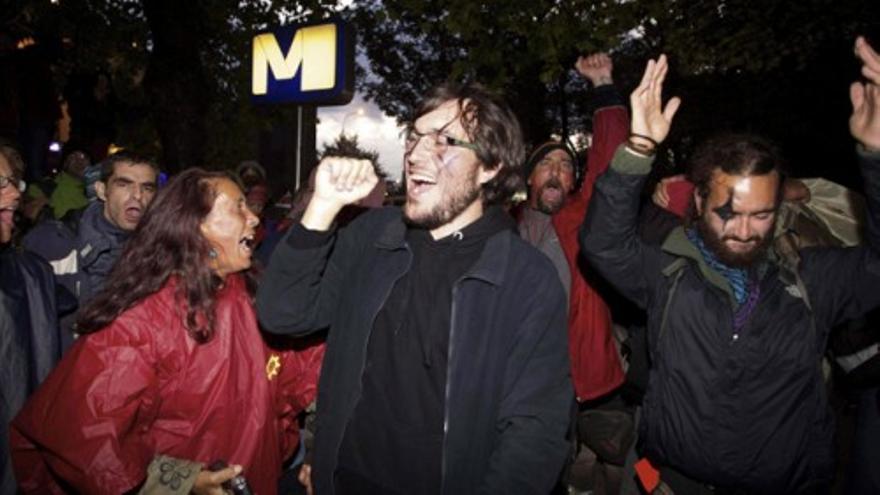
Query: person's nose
(743,228)
(252,219)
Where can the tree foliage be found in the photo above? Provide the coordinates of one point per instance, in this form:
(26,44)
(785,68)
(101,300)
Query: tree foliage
(348,146)
(776,67)
(181,68)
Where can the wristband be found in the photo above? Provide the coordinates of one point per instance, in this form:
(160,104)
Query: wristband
(648,150)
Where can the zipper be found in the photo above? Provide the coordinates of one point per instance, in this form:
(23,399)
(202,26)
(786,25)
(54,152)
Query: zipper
(450,348)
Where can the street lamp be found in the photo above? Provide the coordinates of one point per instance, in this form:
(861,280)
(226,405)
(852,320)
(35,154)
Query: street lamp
(359,112)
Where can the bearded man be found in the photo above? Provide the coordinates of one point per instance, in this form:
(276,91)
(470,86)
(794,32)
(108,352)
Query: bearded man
(736,400)
(447,366)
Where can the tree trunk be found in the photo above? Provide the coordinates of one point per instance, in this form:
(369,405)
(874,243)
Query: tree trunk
(178,90)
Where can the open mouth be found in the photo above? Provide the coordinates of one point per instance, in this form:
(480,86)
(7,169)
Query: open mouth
(421,182)
(7,215)
(133,214)
(248,243)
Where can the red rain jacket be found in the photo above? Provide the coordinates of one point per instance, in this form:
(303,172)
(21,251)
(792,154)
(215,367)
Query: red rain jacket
(142,387)
(595,364)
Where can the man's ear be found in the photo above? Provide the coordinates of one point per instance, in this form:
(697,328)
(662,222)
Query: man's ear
(698,202)
(101,190)
(486,174)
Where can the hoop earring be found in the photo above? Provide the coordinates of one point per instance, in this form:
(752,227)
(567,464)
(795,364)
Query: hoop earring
(213,254)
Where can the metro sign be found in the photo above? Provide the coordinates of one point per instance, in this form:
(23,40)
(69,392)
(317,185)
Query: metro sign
(311,64)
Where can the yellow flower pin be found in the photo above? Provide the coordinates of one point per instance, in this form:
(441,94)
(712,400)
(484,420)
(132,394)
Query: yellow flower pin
(273,366)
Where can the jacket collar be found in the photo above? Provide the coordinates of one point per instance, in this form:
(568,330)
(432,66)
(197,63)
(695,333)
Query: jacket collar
(490,267)
(678,244)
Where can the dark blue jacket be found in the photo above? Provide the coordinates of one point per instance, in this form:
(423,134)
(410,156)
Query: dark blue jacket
(30,340)
(744,410)
(509,395)
(82,249)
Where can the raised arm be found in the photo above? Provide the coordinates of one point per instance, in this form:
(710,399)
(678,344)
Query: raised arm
(609,238)
(298,292)
(846,280)
(610,118)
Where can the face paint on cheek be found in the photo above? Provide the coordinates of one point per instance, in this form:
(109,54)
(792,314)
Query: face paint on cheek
(725,211)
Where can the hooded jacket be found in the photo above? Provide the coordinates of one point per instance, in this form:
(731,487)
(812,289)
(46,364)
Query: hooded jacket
(743,409)
(142,387)
(508,392)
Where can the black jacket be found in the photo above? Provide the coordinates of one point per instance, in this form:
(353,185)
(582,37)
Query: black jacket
(30,340)
(744,410)
(508,391)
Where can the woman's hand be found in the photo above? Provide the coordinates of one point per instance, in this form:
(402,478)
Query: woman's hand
(211,482)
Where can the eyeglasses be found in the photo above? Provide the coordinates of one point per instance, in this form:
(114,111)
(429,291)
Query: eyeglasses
(438,141)
(12,181)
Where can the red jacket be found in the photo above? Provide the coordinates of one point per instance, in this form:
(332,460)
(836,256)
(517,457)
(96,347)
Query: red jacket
(595,365)
(142,387)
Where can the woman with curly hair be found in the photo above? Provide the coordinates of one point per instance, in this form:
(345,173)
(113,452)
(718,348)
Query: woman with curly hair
(172,372)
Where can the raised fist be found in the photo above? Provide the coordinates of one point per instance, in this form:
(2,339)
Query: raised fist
(343,181)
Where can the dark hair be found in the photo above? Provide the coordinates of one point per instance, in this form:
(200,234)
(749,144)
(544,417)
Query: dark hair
(735,154)
(492,126)
(13,157)
(108,165)
(167,242)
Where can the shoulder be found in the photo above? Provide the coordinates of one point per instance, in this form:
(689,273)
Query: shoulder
(51,239)
(528,266)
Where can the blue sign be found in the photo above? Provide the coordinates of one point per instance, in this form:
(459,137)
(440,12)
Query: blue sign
(306,64)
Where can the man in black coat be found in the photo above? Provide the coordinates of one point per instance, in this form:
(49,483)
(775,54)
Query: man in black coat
(30,341)
(447,367)
(737,331)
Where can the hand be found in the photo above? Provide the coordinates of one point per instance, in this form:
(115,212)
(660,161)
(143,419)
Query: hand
(661,192)
(305,478)
(338,182)
(864,123)
(649,118)
(210,482)
(870,58)
(596,67)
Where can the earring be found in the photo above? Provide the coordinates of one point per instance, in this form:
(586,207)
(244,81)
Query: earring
(213,254)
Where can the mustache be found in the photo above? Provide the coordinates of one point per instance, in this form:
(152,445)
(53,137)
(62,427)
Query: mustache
(552,182)
(754,238)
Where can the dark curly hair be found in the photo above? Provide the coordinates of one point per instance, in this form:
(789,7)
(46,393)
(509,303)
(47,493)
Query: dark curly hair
(492,126)
(167,243)
(735,154)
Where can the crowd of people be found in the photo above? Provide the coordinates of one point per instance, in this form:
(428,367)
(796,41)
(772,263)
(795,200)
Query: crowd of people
(176,338)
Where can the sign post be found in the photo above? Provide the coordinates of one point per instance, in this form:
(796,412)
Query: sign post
(308,65)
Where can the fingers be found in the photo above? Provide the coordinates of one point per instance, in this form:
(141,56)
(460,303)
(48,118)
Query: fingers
(217,478)
(661,196)
(857,95)
(305,478)
(646,77)
(867,54)
(348,173)
(672,106)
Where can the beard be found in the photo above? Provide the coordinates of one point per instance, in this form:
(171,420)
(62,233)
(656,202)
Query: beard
(715,242)
(550,206)
(451,204)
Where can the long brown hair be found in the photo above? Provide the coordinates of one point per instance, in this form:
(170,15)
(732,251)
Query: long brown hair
(167,242)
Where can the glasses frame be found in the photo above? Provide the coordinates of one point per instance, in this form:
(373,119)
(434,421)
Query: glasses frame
(12,181)
(439,139)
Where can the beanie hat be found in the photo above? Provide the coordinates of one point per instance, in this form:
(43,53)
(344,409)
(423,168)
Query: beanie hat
(544,150)
(251,165)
